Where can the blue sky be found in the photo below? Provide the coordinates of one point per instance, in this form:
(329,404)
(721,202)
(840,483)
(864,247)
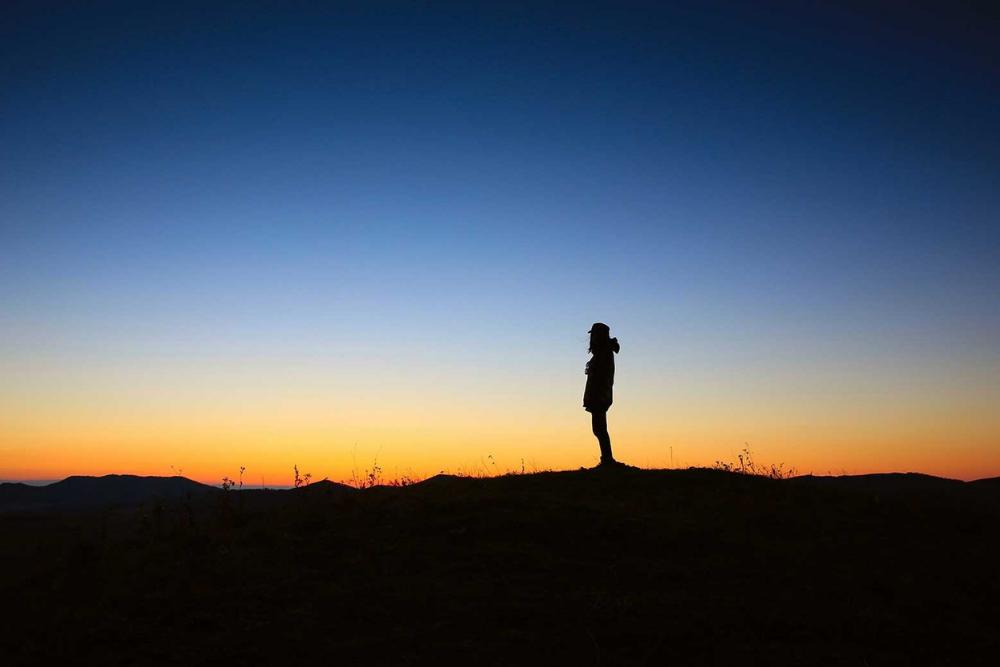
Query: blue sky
(731,186)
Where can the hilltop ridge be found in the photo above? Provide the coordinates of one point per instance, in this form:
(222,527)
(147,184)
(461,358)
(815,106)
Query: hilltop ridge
(83,491)
(587,567)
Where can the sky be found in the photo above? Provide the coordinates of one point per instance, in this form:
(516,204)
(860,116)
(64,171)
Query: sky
(335,234)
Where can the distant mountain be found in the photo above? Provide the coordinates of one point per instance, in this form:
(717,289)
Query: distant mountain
(896,484)
(326,488)
(82,491)
(884,481)
(989,487)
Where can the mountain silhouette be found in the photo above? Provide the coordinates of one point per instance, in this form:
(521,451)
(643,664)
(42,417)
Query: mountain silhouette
(588,567)
(81,491)
(899,484)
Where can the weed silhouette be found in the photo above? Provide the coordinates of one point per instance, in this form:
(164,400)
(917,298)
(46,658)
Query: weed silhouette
(301,480)
(746,465)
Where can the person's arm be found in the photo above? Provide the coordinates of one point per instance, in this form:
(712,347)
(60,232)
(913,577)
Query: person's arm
(598,368)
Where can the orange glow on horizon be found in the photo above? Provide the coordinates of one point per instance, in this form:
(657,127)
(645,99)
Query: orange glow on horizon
(207,426)
(418,448)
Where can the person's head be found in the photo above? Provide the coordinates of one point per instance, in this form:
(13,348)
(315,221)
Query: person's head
(600,338)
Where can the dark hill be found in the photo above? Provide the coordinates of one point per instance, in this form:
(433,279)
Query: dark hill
(325,488)
(679,567)
(908,485)
(894,483)
(82,491)
(987,483)
(15,495)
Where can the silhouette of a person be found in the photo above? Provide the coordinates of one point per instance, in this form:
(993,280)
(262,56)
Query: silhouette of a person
(597,396)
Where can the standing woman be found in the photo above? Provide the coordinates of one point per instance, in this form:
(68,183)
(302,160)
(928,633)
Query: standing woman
(597,396)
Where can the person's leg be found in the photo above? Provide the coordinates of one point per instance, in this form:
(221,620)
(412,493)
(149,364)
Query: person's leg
(599,422)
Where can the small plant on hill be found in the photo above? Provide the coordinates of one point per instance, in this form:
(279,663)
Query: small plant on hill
(301,480)
(230,483)
(745,465)
(403,480)
(371,477)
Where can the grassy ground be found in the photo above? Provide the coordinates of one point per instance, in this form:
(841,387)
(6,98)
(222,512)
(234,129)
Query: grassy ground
(631,567)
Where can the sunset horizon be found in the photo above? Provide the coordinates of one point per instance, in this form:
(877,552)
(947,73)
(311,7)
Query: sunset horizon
(494,333)
(256,236)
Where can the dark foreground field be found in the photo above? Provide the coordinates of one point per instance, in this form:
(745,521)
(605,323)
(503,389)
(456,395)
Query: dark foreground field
(633,567)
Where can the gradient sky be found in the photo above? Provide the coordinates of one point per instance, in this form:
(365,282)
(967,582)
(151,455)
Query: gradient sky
(267,234)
